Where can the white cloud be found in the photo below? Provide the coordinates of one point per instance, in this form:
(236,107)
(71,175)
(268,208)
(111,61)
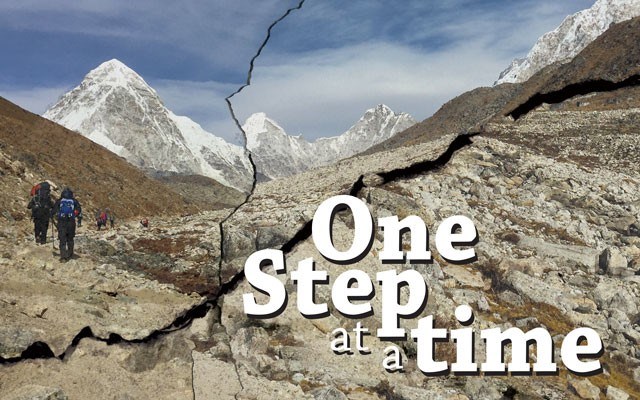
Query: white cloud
(324,93)
(221,33)
(325,64)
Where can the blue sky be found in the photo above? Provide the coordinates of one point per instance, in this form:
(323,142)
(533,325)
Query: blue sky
(323,67)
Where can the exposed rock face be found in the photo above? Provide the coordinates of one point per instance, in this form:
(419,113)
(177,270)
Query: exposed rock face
(541,247)
(99,371)
(568,39)
(540,244)
(114,107)
(277,154)
(46,301)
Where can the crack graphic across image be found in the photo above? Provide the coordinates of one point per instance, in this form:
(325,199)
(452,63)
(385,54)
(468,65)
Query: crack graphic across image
(547,172)
(40,350)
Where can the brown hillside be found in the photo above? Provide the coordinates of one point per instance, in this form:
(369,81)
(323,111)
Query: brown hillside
(613,57)
(624,98)
(33,149)
(457,115)
(584,111)
(204,192)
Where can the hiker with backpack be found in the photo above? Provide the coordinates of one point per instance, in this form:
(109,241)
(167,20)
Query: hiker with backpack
(40,206)
(64,210)
(101,219)
(110,217)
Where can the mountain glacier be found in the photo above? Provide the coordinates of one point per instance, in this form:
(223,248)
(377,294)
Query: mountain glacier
(571,37)
(116,108)
(277,154)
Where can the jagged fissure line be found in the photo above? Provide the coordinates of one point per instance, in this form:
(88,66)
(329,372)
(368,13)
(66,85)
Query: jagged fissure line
(244,134)
(193,378)
(460,142)
(571,90)
(252,64)
(40,350)
(301,235)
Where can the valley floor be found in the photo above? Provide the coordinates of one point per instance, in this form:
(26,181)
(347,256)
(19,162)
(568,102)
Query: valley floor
(559,248)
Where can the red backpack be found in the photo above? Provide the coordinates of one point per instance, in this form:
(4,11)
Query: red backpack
(42,190)
(41,200)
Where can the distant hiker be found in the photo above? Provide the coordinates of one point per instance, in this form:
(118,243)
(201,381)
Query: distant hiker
(110,216)
(144,222)
(40,206)
(101,219)
(64,210)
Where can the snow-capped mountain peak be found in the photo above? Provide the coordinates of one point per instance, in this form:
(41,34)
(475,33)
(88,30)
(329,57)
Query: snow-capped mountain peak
(278,154)
(380,109)
(116,73)
(571,37)
(116,108)
(258,126)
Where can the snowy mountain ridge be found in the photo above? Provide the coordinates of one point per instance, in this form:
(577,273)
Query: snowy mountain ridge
(116,108)
(569,38)
(277,154)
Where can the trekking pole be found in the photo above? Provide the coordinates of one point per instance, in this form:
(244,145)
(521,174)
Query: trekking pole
(53,236)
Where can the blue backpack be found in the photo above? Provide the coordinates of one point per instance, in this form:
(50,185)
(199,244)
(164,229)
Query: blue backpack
(67,208)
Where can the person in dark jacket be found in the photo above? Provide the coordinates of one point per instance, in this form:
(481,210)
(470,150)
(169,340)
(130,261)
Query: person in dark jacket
(64,210)
(111,217)
(101,219)
(40,207)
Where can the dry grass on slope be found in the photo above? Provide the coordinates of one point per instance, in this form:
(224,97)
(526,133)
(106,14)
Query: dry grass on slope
(42,149)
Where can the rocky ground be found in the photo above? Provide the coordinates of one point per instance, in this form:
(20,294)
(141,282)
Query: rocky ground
(559,248)
(554,193)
